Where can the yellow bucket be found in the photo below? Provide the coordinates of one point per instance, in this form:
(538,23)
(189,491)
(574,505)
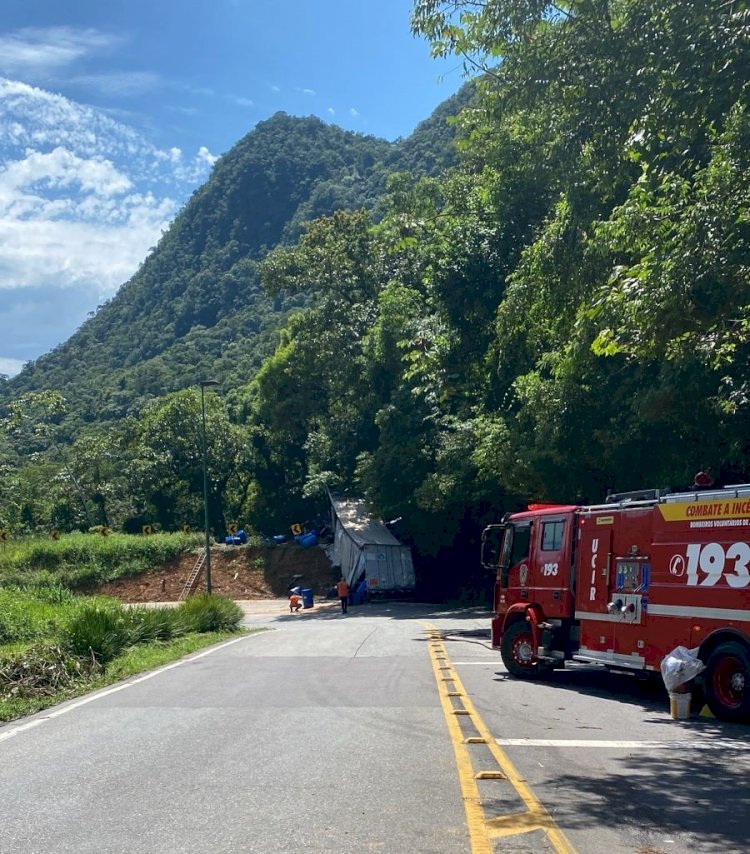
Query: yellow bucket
(679,706)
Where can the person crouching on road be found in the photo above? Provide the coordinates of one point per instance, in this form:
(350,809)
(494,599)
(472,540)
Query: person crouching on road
(295,602)
(342,591)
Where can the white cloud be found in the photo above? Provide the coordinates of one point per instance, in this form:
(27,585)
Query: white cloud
(83,197)
(10,367)
(205,156)
(307,91)
(64,253)
(61,169)
(332,111)
(353,113)
(121,83)
(240,101)
(34,117)
(42,50)
(31,117)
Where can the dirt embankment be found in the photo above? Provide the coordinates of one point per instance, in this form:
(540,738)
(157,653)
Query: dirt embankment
(239,572)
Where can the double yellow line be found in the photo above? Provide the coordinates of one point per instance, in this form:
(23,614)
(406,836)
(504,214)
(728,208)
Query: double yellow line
(457,706)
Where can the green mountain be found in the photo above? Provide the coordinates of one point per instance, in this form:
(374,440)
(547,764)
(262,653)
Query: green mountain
(195,307)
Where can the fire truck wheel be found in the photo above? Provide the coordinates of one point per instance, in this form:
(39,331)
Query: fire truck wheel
(517,651)
(727,682)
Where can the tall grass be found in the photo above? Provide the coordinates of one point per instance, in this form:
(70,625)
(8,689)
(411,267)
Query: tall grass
(103,629)
(82,561)
(210,613)
(35,613)
(55,644)
(99,633)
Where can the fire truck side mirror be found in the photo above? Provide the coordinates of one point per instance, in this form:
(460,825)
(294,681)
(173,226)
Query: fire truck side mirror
(491,537)
(616,606)
(488,555)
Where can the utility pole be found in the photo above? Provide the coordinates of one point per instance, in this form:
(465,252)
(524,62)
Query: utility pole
(204,384)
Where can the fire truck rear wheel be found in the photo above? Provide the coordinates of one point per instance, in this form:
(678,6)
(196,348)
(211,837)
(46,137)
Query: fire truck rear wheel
(727,682)
(518,653)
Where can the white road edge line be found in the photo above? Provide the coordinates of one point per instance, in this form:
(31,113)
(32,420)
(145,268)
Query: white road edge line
(718,744)
(105,692)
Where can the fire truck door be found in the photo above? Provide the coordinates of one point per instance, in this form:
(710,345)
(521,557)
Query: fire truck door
(594,577)
(551,564)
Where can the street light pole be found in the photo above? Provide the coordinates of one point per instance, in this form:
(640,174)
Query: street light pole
(204,384)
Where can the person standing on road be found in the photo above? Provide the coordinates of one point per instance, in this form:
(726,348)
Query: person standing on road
(342,591)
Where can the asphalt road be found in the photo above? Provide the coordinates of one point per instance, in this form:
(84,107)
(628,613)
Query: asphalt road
(391,729)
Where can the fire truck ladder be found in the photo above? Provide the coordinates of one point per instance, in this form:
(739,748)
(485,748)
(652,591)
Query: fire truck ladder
(194,577)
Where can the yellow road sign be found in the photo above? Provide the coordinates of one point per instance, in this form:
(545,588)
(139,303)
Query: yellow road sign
(55,535)
(296,529)
(232,528)
(147,529)
(3,536)
(104,531)
(186,529)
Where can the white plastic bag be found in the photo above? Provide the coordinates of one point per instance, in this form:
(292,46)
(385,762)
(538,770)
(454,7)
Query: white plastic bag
(680,666)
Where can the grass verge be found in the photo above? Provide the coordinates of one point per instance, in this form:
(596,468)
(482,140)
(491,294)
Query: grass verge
(133,661)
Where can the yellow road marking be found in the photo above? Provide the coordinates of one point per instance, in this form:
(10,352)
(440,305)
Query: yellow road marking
(481,829)
(479,839)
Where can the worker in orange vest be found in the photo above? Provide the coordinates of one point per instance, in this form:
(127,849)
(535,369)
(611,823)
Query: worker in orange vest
(342,591)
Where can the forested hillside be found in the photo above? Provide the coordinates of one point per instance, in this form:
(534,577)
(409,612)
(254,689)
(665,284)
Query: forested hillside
(195,305)
(562,312)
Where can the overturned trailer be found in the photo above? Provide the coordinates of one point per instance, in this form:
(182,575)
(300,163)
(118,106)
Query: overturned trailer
(365,550)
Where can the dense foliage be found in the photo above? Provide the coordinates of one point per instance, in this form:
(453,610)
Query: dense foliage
(563,311)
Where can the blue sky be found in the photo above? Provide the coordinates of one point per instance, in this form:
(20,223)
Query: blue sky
(112,113)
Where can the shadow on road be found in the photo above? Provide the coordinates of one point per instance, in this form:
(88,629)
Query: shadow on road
(677,792)
(591,680)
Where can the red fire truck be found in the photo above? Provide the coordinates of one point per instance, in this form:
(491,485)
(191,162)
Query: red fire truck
(625,582)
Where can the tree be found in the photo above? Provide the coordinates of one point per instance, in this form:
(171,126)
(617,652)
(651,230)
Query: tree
(167,475)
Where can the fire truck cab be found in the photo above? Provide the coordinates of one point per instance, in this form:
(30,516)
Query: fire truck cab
(625,582)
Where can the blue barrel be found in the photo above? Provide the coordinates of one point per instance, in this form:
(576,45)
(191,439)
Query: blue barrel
(307,597)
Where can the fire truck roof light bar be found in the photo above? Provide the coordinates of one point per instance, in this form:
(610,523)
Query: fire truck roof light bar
(596,508)
(649,497)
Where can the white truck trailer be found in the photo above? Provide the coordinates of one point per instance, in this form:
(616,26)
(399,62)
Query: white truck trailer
(365,549)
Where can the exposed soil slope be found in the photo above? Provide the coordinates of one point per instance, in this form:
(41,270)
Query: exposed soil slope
(240,572)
